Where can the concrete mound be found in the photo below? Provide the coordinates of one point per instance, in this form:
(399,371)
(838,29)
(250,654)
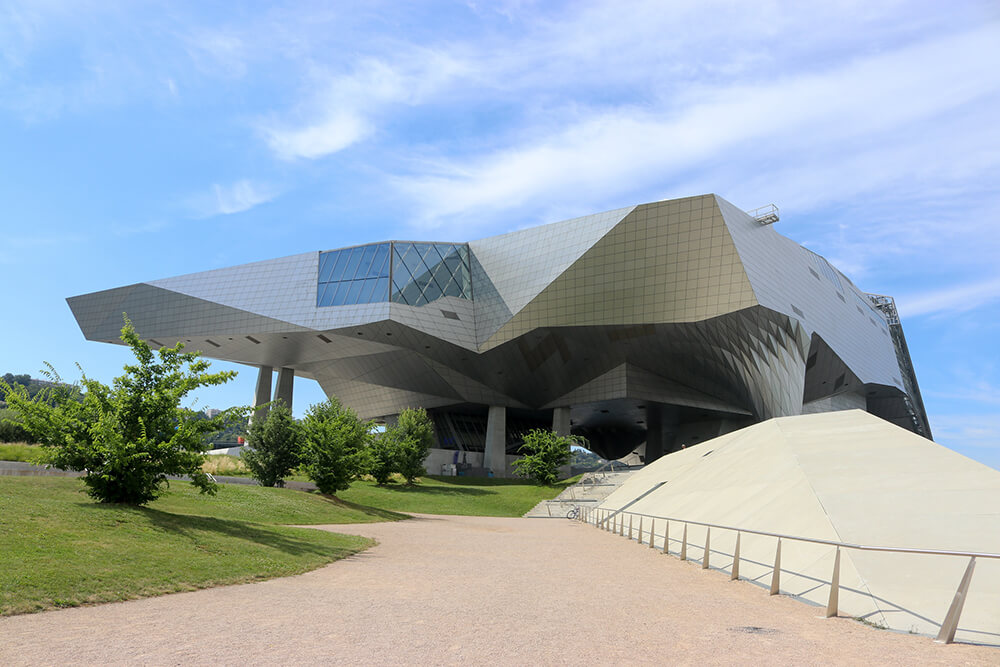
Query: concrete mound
(843,476)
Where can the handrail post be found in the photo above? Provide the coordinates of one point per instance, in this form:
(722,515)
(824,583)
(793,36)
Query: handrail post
(708,548)
(832,606)
(640,529)
(630,527)
(684,544)
(652,532)
(666,538)
(736,559)
(950,624)
(776,575)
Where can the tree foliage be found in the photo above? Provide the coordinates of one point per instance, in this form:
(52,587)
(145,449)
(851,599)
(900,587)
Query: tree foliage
(274,446)
(402,448)
(381,456)
(12,428)
(543,452)
(126,438)
(414,438)
(334,441)
(33,386)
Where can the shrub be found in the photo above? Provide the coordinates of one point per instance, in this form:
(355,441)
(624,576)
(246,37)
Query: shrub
(544,452)
(381,456)
(11,428)
(413,442)
(129,437)
(333,445)
(274,445)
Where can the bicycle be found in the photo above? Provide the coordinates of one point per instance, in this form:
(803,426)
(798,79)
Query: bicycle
(573,513)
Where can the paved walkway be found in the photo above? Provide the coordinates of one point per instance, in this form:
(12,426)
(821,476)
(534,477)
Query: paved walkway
(451,590)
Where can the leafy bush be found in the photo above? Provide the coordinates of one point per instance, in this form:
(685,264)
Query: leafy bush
(274,446)
(544,452)
(129,437)
(11,428)
(413,442)
(381,456)
(333,445)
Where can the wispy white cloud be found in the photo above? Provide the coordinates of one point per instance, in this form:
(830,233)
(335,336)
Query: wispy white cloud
(339,111)
(338,129)
(950,300)
(765,129)
(236,197)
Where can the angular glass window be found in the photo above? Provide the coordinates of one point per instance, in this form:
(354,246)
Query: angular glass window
(341,258)
(353,275)
(425,272)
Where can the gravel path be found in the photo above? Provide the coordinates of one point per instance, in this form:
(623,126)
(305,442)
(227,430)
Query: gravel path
(450,590)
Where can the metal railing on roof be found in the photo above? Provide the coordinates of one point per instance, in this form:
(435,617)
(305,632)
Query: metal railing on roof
(614,521)
(765,215)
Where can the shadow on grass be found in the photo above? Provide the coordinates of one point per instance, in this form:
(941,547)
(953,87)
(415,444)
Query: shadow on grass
(418,489)
(192,528)
(480,481)
(386,515)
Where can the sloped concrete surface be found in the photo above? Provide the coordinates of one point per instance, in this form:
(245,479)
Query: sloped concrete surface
(849,477)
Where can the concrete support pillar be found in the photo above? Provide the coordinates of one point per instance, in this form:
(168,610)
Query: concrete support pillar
(283,392)
(262,394)
(560,421)
(661,431)
(495,457)
(654,433)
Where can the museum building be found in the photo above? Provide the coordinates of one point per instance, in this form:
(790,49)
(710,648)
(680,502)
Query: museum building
(644,329)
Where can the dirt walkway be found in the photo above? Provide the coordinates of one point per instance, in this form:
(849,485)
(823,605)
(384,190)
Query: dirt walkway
(450,590)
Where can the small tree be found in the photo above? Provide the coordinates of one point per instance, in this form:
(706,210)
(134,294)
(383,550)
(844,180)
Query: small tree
(129,437)
(382,456)
(416,436)
(274,445)
(544,452)
(333,445)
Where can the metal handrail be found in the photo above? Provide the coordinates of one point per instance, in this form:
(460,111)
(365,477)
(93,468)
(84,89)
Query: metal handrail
(600,471)
(833,543)
(609,520)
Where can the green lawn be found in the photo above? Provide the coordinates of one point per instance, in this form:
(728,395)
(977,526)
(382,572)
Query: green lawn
(262,505)
(21,451)
(59,548)
(455,495)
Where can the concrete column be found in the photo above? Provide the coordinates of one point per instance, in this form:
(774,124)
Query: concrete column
(283,391)
(262,395)
(560,421)
(495,456)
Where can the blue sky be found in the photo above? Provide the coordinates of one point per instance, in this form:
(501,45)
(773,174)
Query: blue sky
(141,140)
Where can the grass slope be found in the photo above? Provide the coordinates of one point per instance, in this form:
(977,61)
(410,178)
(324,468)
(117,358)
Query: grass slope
(59,548)
(21,451)
(468,496)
